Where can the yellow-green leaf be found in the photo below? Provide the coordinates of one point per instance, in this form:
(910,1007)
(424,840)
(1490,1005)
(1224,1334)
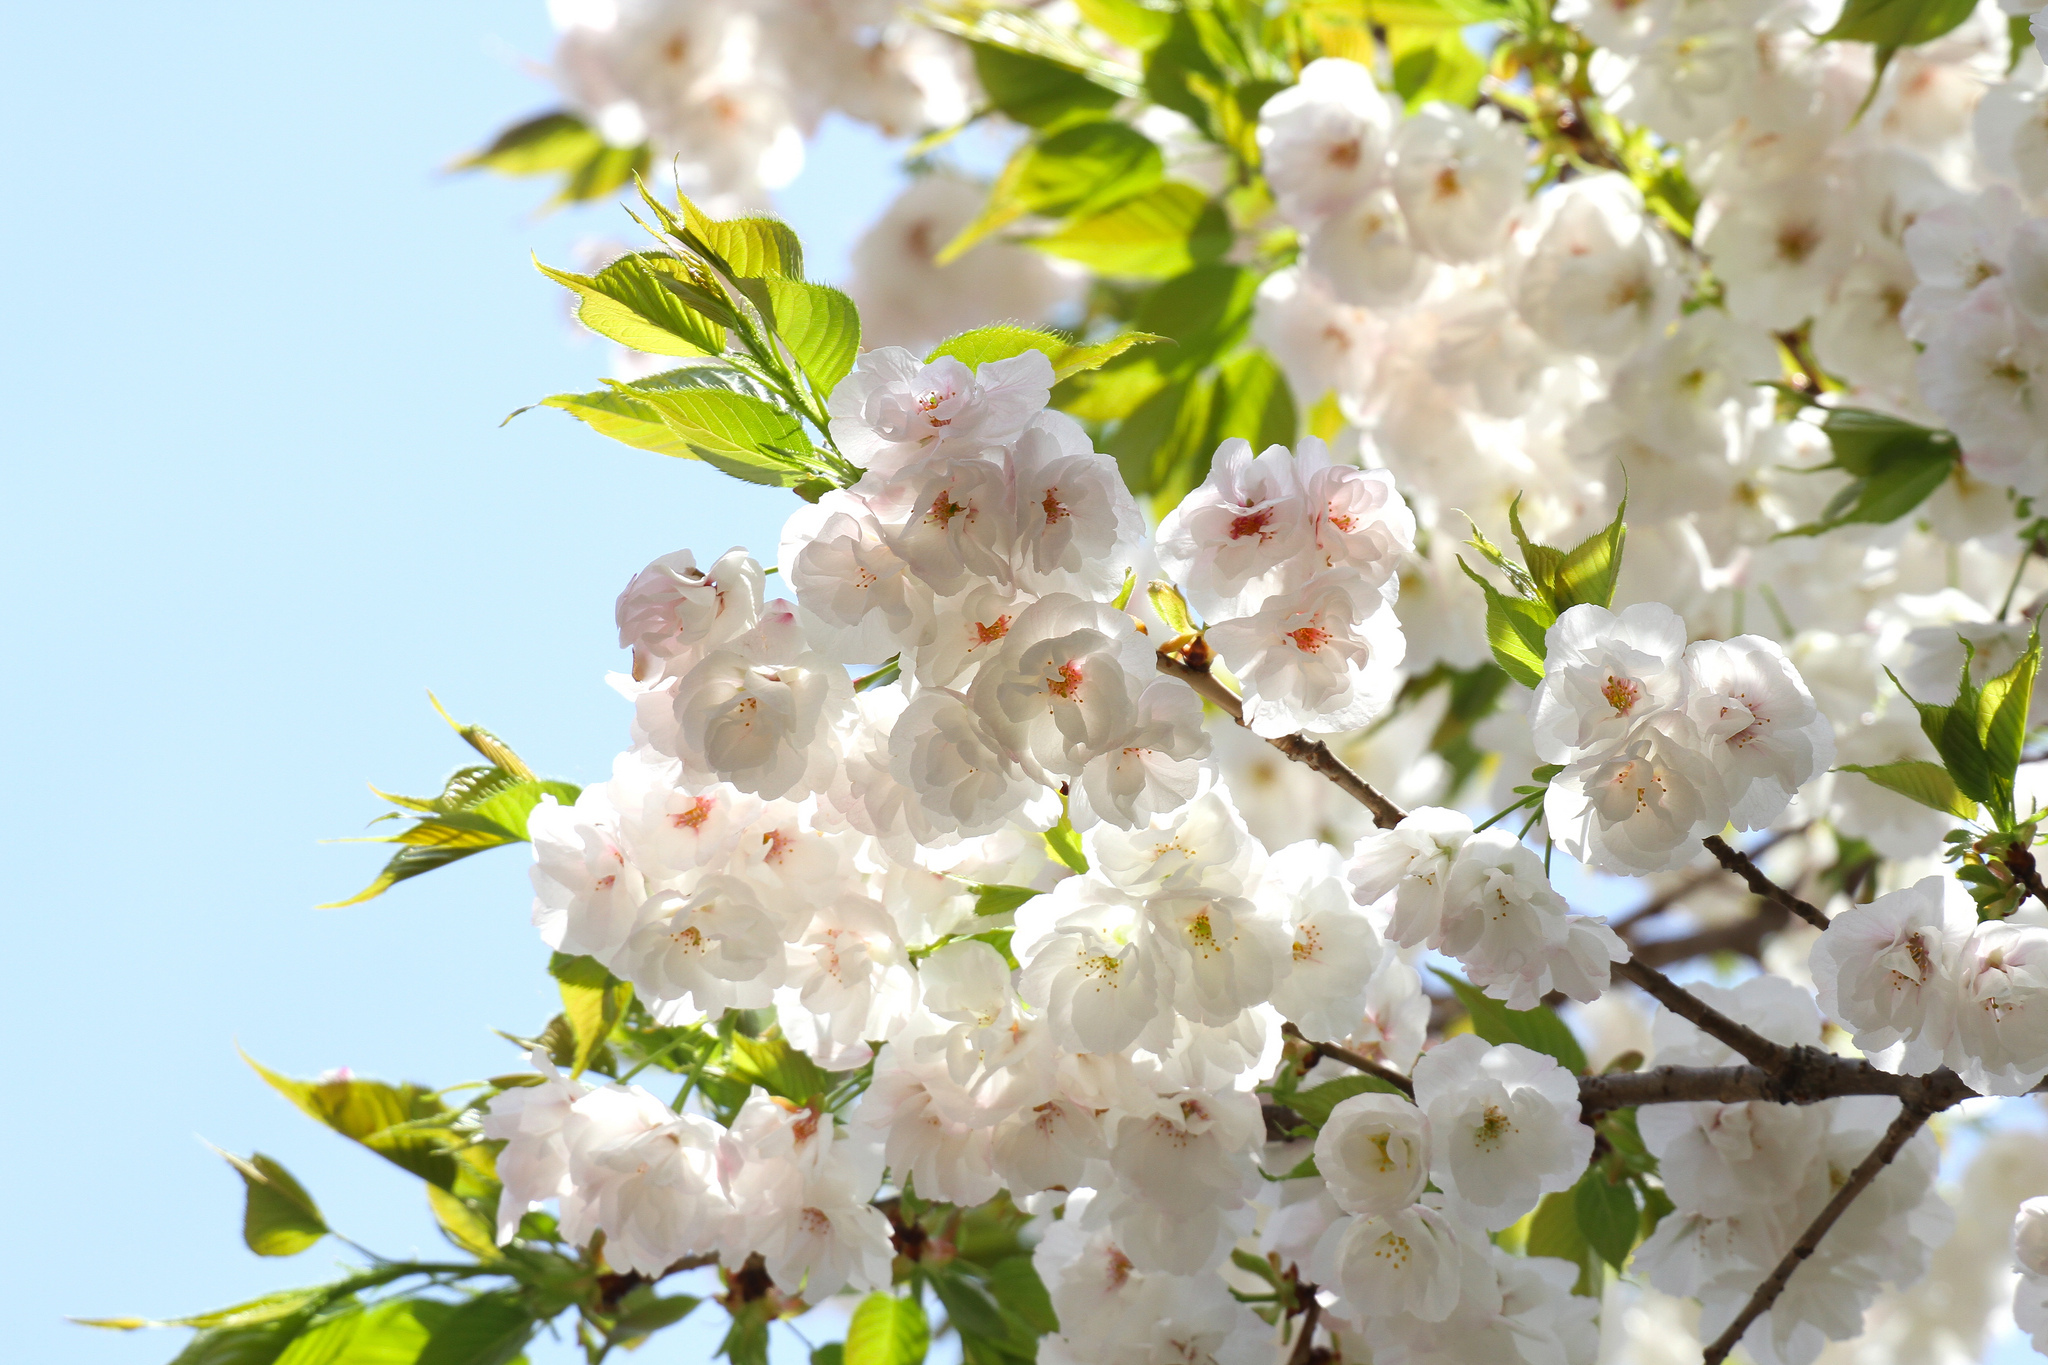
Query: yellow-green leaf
(887,1330)
(279,1218)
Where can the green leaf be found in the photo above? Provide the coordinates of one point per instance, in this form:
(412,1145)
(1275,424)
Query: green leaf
(1539,1030)
(560,143)
(777,1068)
(2002,708)
(643,1311)
(820,326)
(1169,606)
(1034,91)
(620,413)
(1065,845)
(554,141)
(490,1329)
(1073,171)
(242,1345)
(746,1340)
(366,1110)
(1004,340)
(280,1218)
(993,899)
(887,1330)
(1953,731)
(391,1333)
(631,302)
(1207,311)
(1554,1231)
(1015,1283)
(1515,630)
(1136,25)
(1918,780)
(593,1003)
(465,1225)
(734,433)
(1895,466)
(1252,402)
(753,248)
(1606,1215)
(1590,569)
(1165,231)
(1315,1103)
(1898,23)
(968,1307)
(831,1353)
(1435,63)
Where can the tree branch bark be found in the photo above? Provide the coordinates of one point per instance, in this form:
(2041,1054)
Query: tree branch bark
(1896,1137)
(1744,1040)
(1355,1060)
(1738,862)
(1311,752)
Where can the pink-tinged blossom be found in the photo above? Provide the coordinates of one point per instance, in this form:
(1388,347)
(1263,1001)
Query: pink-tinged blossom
(1882,970)
(895,412)
(672,611)
(1605,673)
(1230,542)
(1504,1127)
(1323,140)
(1315,658)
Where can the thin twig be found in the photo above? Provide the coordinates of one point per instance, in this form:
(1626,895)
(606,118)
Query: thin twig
(1683,1003)
(1312,752)
(1895,1138)
(1304,1343)
(1663,901)
(1356,1060)
(1738,862)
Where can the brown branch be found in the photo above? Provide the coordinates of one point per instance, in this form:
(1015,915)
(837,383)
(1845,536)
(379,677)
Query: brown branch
(1895,1138)
(1356,1060)
(1311,752)
(1812,1077)
(1663,901)
(1708,1020)
(1311,1313)
(1738,862)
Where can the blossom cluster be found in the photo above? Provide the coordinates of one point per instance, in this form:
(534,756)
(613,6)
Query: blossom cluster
(1485,343)
(1921,983)
(1748,1178)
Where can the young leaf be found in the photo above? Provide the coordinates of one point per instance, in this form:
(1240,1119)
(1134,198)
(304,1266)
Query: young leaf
(365,1111)
(554,141)
(1015,1283)
(1076,170)
(820,326)
(1606,1215)
(735,433)
(1165,231)
(1254,402)
(1314,1104)
(1898,23)
(1918,780)
(593,1003)
(1539,1030)
(1515,630)
(621,413)
(992,899)
(280,1218)
(1034,91)
(465,1225)
(2002,708)
(1169,606)
(777,1068)
(630,302)
(1895,466)
(1065,844)
(1554,1231)
(1953,730)
(1591,568)
(1004,340)
(887,1330)
(490,1329)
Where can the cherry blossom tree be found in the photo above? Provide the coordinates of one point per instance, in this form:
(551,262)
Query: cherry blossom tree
(1382,529)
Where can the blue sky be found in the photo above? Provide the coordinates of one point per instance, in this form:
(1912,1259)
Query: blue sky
(256,502)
